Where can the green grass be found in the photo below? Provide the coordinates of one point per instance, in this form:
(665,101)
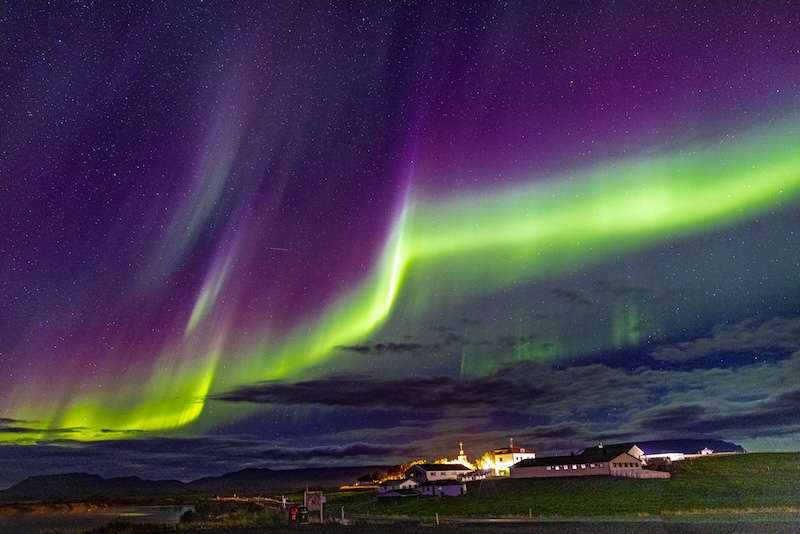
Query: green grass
(765,483)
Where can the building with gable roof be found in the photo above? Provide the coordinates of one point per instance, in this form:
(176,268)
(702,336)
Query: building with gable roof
(434,472)
(614,460)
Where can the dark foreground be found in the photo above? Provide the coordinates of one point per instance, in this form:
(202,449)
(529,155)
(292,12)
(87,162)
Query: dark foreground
(720,526)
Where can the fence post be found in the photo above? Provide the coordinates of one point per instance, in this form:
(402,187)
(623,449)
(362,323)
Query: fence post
(437,519)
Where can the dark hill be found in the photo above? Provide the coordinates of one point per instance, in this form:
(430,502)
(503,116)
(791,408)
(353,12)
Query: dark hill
(686,446)
(260,480)
(82,486)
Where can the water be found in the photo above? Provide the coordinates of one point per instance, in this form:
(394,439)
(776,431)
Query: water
(73,522)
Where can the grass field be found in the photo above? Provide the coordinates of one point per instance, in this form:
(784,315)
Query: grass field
(754,484)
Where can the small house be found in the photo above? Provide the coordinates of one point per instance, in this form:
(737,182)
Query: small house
(435,472)
(397,488)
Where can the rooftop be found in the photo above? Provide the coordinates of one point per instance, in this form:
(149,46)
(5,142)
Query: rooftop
(442,467)
(590,455)
(513,449)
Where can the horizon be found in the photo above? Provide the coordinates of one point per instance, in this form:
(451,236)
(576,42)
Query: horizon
(282,235)
(407,461)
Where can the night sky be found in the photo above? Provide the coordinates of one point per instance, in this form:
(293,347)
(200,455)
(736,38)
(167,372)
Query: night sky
(301,234)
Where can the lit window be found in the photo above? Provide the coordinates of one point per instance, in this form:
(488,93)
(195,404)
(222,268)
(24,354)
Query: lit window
(574,466)
(557,468)
(591,465)
(548,468)
(583,466)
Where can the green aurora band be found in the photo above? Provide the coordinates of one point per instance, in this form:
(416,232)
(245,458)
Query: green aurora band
(469,245)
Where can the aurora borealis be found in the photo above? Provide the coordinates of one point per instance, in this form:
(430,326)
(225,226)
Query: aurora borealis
(587,214)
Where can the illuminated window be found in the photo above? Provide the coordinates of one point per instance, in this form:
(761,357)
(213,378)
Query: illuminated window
(574,466)
(591,465)
(548,468)
(583,466)
(557,468)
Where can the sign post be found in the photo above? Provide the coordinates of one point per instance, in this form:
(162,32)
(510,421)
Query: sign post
(315,500)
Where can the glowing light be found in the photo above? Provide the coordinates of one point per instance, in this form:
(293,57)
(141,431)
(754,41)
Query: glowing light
(468,244)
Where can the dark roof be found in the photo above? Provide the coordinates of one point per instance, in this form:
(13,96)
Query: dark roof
(509,450)
(593,455)
(441,467)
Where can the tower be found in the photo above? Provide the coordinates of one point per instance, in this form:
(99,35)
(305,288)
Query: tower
(462,458)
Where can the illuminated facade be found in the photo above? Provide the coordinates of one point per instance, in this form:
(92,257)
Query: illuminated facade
(506,457)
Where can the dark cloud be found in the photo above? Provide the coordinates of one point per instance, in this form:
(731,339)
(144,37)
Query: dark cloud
(432,393)
(394,347)
(746,336)
(779,412)
(571,296)
(8,421)
(22,427)
(622,289)
(386,347)
(567,406)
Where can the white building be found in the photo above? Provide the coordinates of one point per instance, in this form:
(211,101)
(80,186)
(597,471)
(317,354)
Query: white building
(671,456)
(508,456)
(435,472)
(396,488)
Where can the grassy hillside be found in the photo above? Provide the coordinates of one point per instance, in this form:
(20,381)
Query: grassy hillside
(766,483)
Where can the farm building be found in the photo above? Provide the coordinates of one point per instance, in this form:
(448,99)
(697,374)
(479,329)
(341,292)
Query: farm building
(612,460)
(674,450)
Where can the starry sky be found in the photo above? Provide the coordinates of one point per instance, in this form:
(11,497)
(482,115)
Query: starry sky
(279,234)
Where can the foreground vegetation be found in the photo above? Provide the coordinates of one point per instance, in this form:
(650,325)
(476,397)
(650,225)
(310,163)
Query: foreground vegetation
(754,492)
(766,483)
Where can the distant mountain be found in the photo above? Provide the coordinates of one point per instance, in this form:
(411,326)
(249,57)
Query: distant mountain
(255,480)
(686,446)
(82,486)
